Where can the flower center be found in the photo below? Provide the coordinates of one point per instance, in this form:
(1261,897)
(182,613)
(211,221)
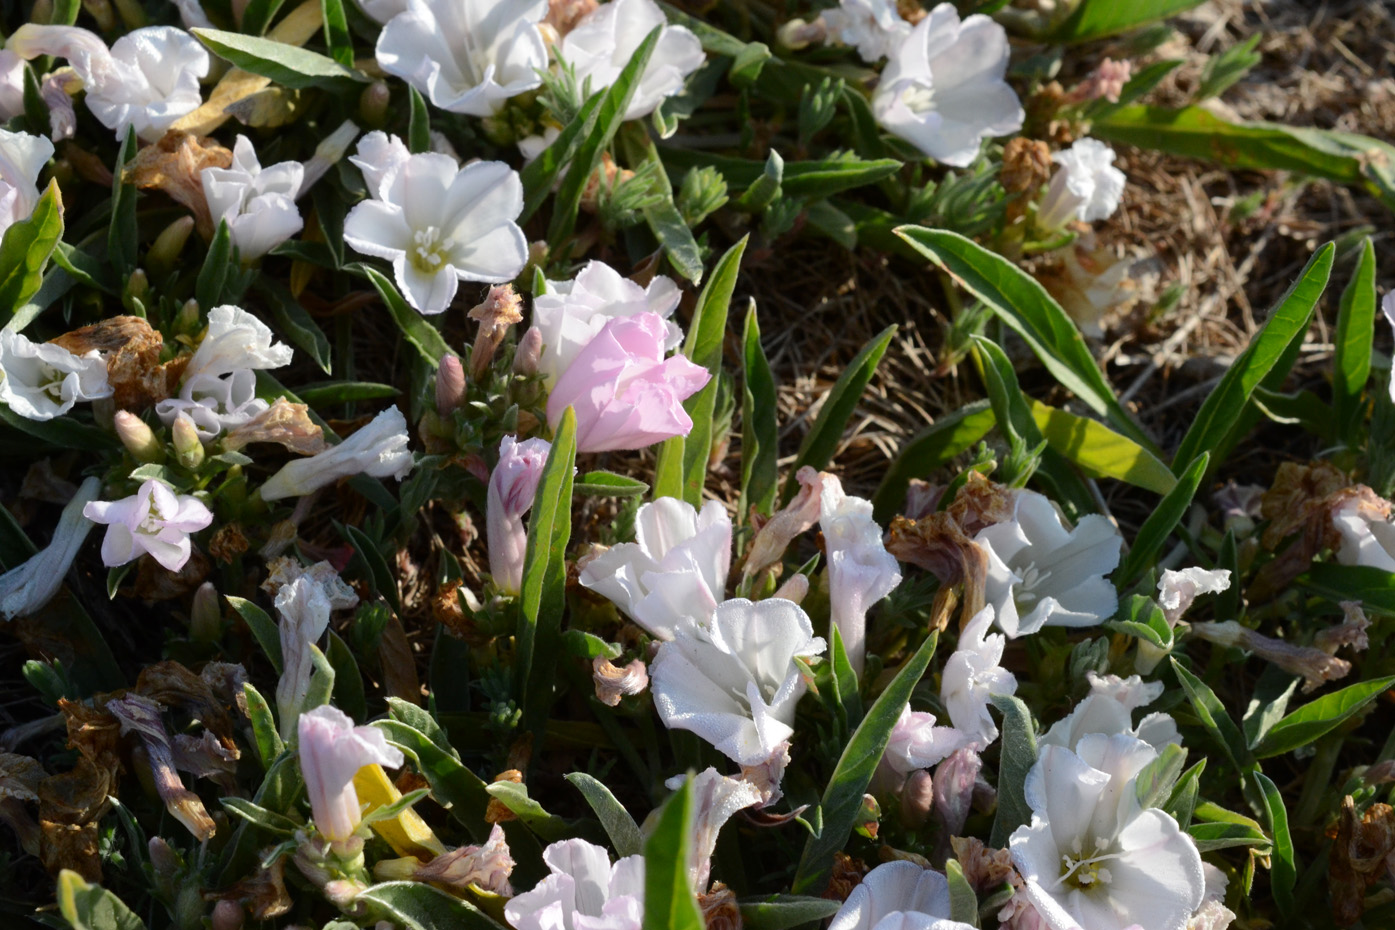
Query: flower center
(1031,578)
(919,98)
(154,521)
(1084,872)
(431,249)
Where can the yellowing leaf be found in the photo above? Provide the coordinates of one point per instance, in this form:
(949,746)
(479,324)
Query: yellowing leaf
(1099,451)
(407,833)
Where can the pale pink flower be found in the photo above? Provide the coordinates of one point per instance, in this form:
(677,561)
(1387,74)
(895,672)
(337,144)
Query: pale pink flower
(917,743)
(512,487)
(583,891)
(716,797)
(860,570)
(625,393)
(154,520)
(332,750)
(602,44)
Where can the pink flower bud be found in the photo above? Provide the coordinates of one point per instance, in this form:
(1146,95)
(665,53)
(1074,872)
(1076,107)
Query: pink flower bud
(450,385)
(332,750)
(137,437)
(529,352)
(511,489)
(625,393)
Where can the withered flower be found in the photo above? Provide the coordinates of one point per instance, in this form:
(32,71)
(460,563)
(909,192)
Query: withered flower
(175,165)
(283,423)
(614,682)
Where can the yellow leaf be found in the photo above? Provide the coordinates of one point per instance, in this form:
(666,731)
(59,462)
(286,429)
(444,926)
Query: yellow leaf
(406,833)
(1099,451)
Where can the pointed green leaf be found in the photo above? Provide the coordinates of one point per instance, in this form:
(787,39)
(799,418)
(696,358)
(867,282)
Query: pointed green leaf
(1019,755)
(1099,451)
(1316,718)
(264,629)
(669,901)
(26,248)
(287,65)
(760,438)
(1356,328)
(1162,521)
(617,822)
(418,906)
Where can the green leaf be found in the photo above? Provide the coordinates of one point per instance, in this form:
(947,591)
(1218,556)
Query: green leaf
(1374,587)
(1019,742)
(609,484)
(1316,718)
(1283,868)
(217,267)
(26,248)
(1210,837)
(123,238)
(1144,620)
(669,901)
(1155,782)
(266,739)
(615,100)
(317,695)
(1183,800)
(421,720)
(543,596)
(1096,19)
(782,911)
(1010,411)
(293,320)
(766,189)
(343,392)
(540,175)
(1212,428)
(287,65)
(396,808)
(663,216)
(618,824)
(1351,362)
(1215,718)
(425,337)
(1023,304)
(839,403)
(844,681)
(515,797)
(452,784)
(1268,704)
(814,179)
(63,432)
(704,347)
(269,821)
(258,15)
(842,798)
(367,551)
(91,907)
(418,906)
(264,629)
(1162,521)
(1224,70)
(337,38)
(928,450)
(1099,451)
(760,438)
(963,902)
(668,469)
(418,123)
(348,680)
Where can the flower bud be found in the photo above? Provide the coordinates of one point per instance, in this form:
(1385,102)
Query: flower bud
(917,796)
(450,385)
(227,915)
(614,682)
(205,615)
(136,291)
(164,252)
(138,438)
(794,589)
(188,320)
(797,34)
(512,487)
(495,314)
(188,448)
(330,150)
(525,359)
(373,104)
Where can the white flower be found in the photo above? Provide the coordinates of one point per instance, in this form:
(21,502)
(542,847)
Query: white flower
(466,56)
(530,147)
(30,585)
(874,27)
(860,570)
(898,895)
(236,340)
(735,682)
(602,44)
(1387,306)
(258,204)
(380,156)
(917,743)
(332,750)
(214,402)
(439,225)
(285,569)
(1040,573)
(304,606)
(1087,186)
(378,449)
(40,381)
(715,799)
(1091,858)
(675,569)
(570,313)
(512,486)
(582,892)
(943,89)
(1108,710)
(148,79)
(1177,589)
(382,11)
(22,159)
(1367,538)
(973,674)
(11,85)
(154,520)
(328,153)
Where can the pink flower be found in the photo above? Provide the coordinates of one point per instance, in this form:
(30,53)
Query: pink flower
(625,393)
(154,520)
(332,750)
(511,489)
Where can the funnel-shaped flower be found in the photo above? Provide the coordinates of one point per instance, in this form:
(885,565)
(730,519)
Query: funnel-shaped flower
(602,44)
(625,393)
(898,896)
(40,381)
(1086,186)
(215,403)
(236,340)
(860,570)
(439,225)
(466,56)
(257,203)
(512,486)
(154,520)
(331,750)
(973,674)
(582,891)
(378,449)
(874,27)
(734,681)
(943,89)
(715,799)
(675,569)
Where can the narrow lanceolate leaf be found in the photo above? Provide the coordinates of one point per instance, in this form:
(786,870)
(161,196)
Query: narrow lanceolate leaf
(615,100)
(287,65)
(542,598)
(217,267)
(451,782)
(928,450)
(26,249)
(1283,868)
(1277,342)
(618,824)
(539,175)
(1019,755)
(1374,587)
(782,911)
(842,799)
(704,347)
(669,901)
(1351,362)
(91,907)
(821,443)
(421,334)
(1023,304)
(295,322)
(1316,718)
(122,238)
(1215,718)
(418,123)
(337,38)
(1096,19)
(1099,451)
(1163,520)
(760,473)
(664,220)
(418,906)
(264,629)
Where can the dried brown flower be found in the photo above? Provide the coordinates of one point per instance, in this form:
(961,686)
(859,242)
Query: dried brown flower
(614,682)
(496,313)
(283,423)
(132,350)
(497,811)
(175,165)
(1026,165)
(1362,851)
(719,908)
